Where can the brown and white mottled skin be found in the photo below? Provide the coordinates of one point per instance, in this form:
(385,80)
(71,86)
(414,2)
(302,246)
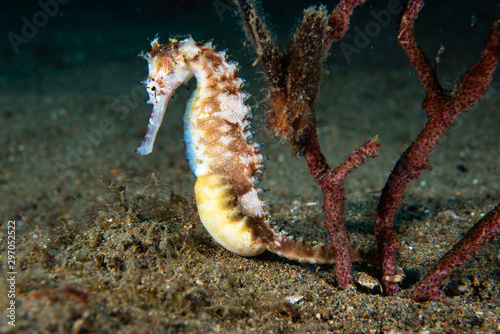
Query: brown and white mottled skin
(216,137)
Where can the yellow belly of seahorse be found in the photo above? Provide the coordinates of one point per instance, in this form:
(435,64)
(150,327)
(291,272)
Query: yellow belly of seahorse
(219,213)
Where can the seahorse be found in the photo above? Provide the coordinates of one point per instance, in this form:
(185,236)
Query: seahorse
(219,149)
(216,138)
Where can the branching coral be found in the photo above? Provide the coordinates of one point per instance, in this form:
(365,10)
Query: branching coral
(294,79)
(442,107)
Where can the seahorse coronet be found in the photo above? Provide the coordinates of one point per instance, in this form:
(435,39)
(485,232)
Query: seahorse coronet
(216,137)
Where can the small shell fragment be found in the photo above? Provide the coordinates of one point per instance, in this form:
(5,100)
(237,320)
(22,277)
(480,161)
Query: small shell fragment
(366,281)
(398,277)
(294,299)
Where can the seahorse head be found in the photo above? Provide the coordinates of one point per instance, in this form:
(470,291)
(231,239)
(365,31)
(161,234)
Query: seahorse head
(167,71)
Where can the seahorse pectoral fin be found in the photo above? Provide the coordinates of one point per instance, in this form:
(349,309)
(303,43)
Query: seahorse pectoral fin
(222,218)
(159,106)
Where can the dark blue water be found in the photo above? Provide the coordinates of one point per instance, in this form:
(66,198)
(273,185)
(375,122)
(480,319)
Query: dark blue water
(49,35)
